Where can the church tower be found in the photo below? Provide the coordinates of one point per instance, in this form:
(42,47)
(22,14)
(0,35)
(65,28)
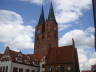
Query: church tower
(46,33)
(52,29)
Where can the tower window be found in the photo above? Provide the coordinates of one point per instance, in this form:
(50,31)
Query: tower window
(37,38)
(42,37)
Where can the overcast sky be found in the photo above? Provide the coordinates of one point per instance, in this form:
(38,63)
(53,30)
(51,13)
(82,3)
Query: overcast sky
(18,19)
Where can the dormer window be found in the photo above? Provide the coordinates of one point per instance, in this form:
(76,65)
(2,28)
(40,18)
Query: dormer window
(19,57)
(28,57)
(27,61)
(6,58)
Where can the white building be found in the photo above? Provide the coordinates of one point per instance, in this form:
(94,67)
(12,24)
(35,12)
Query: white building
(9,66)
(12,61)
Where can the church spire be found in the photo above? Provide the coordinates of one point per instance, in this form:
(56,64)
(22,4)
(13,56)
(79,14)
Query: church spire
(41,19)
(51,13)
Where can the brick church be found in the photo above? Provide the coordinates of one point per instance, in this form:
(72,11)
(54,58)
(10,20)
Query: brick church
(57,59)
(48,56)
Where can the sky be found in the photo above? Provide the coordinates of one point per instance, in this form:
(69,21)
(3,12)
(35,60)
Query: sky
(18,19)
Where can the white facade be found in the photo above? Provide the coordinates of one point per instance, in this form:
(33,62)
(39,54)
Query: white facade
(18,66)
(42,64)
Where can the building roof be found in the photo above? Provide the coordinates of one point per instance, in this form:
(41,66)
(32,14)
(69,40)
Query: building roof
(87,71)
(36,56)
(18,57)
(61,55)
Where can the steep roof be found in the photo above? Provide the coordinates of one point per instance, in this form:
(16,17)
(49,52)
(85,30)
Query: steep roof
(36,56)
(61,55)
(18,57)
(41,19)
(51,16)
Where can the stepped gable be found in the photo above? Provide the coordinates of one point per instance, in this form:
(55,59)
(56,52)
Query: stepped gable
(61,55)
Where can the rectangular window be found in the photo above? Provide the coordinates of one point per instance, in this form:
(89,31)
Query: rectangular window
(33,71)
(43,65)
(0,69)
(3,69)
(27,70)
(20,70)
(62,69)
(15,69)
(6,69)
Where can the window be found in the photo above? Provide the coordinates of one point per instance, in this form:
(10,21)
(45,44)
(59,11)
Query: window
(62,69)
(48,35)
(20,70)
(6,69)
(43,65)
(15,69)
(38,31)
(27,70)
(37,38)
(32,71)
(3,69)
(42,37)
(0,69)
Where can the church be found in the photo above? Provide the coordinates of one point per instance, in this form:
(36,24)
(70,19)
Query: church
(57,59)
(47,56)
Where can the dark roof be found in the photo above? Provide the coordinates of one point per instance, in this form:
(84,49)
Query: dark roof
(51,16)
(61,55)
(41,19)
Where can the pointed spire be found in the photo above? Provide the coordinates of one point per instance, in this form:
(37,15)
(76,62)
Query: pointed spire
(73,42)
(51,13)
(7,49)
(41,19)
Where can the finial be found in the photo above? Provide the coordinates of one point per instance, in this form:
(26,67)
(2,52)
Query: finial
(73,42)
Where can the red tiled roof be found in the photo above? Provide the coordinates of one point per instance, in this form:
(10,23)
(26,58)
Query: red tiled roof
(36,56)
(29,57)
(61,55)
